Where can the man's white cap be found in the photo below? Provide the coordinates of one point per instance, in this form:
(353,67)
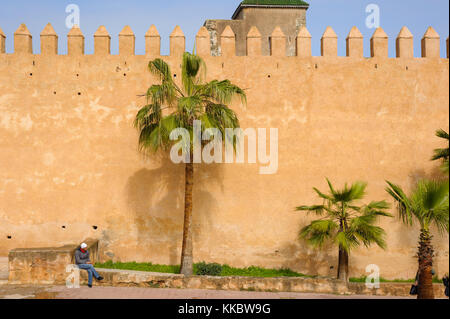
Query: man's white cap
(83,245)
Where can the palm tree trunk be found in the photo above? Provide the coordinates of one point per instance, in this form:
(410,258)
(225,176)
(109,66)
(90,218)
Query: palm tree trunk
(343,265)
(186,253)
(343,254)
(425,289)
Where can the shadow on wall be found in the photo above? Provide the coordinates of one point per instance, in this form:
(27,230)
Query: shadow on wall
(419,174)
(156,197)
(310,261)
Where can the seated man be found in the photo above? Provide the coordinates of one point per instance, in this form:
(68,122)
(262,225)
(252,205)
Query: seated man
(83,262)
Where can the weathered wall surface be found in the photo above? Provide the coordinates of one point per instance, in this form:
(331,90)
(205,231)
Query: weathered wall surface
(68,157)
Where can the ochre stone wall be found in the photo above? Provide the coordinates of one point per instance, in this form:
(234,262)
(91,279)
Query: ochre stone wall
(69,156)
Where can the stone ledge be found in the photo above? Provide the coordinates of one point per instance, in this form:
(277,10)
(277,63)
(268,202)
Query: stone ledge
(128,278)
(44,265)
(391,289)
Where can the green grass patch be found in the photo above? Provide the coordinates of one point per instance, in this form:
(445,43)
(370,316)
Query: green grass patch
(226,270)
(139,267)
(259,272)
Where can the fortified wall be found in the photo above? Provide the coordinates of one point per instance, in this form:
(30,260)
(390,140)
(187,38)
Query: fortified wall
(70,166)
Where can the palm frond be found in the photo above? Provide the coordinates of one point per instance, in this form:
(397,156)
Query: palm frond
(403,202)
(376,209)
(357,191)
(367,233)
(442,134)
(163,94)
(434,193)
(441,153)
(378,205)
(222,92)
(190,106)
(150,138)
(346,240)
(331,187)
(191,67)
(318,232)
(429,203)
(322,195)
(222,115)
(445,167)
(147,115)
(349,194)
(316,209)
(161,69)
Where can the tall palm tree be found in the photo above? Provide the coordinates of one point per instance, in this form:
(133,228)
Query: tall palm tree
(442,153)
(345,223)
(428,204)
(170,106)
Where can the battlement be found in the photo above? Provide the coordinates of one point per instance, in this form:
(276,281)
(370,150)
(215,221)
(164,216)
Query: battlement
(430,42)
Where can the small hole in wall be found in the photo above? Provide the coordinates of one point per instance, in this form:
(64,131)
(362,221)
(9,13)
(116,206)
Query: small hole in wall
(95,227)
(316,66)
(9,237)
(223,65)
(54,92)
(174,75)
(79,93)
(124,74)
(78,75)
(268,76)
(332,267)
(34,63)
(407,68)
(31,74)
(376,66)
(63,227)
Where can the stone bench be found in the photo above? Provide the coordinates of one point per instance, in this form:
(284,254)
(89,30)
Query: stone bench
(45,265)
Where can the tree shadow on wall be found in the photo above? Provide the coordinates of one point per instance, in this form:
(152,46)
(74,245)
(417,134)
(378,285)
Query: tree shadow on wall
(309,260)
(156,197)
(436,173)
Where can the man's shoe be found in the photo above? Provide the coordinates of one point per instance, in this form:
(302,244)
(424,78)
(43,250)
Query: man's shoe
(90,286)
(100,278)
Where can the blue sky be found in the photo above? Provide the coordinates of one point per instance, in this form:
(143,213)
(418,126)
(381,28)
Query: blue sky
(417,15)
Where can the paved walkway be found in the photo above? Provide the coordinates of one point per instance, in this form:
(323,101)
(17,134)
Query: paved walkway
(61,292)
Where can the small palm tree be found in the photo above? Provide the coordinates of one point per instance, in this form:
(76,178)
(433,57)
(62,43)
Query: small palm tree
(442,153)
(170,106)
(345,223)
(428,204)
